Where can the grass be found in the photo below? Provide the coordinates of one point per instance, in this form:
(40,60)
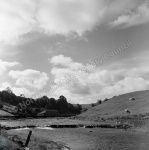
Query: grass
(10,141)
(116,106)
(113,111)
(6,142)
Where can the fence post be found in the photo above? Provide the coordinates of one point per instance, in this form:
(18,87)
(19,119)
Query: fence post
(28,138)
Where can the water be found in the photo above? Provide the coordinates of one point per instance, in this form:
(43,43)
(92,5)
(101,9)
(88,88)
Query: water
(83,138)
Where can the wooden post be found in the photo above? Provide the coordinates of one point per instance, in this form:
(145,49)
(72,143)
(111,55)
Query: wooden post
(28,138)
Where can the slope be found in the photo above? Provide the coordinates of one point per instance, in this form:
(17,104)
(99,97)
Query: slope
(116,106)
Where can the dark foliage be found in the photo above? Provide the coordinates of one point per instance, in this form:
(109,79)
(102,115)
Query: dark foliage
(93,105)
(28,106)
(99,102)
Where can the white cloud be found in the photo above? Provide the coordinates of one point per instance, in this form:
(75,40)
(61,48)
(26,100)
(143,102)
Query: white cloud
(15,19)
(63,66)
(61,60)
(4,65)
(66,17)
(15,90)
(5,85)
(65,61)
(29,78)
(128,84)
(139,15)
(23,90)
(117,81)
(100,83)
(102,77)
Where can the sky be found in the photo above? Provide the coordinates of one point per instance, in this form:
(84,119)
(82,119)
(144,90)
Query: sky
(88,49)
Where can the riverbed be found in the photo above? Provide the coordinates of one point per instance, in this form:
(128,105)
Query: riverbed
(82,138)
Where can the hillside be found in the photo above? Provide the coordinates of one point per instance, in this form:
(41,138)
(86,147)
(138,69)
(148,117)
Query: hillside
(116,106)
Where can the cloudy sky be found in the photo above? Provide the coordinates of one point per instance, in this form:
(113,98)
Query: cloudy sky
(102,44)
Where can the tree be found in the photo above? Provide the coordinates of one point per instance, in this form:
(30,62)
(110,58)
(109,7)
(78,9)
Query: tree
(52,103)
(8,89)
(99,102)
(62,102)
(38,105)
(79,108)
(106,99)
(93,105)
(1,106)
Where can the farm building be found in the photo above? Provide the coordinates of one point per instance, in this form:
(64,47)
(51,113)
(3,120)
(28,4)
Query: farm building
(49,113)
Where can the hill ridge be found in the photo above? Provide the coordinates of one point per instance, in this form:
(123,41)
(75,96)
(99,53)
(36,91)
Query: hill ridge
(117,105)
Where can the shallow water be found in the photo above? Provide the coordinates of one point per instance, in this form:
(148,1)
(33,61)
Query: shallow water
(45,128)
(85,139)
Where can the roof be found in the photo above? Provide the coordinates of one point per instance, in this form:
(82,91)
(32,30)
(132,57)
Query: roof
(48,111)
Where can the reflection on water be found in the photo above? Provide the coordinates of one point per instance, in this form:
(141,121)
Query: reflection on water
(22,129)
(46,128)
(43,128)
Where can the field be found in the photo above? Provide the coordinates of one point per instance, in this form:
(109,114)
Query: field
(111,113)
(77,138)
(85,138)
(116,106)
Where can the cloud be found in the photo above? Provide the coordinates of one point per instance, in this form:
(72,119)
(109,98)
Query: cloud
(98,83)
(16,19)
(136,16)
(64,17)
(79,89)
(29,78)
(128,84)
(4,65)
(65,61)
(5,85)
(67,17)
(118,81)
(101,77)
(62,68)
(60,60)
(79,16)
(15,90)
(23,90)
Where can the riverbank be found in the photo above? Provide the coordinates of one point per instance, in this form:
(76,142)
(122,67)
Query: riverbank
(86,139)
(74,134)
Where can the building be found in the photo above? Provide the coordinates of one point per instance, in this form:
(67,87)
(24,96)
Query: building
(49,113)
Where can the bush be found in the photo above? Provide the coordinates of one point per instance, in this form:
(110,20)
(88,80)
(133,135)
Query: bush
(99,102)
(93,105)
(106,99)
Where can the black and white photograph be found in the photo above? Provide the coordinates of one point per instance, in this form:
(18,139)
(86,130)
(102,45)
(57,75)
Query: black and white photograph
(74,74)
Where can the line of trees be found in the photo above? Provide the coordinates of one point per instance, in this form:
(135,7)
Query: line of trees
(39,104)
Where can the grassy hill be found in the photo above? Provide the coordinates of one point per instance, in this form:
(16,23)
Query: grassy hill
(116,106)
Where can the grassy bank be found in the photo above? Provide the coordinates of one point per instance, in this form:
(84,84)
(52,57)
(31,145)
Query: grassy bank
(13,141)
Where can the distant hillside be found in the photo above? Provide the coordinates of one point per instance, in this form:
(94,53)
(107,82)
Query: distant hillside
(116,106)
